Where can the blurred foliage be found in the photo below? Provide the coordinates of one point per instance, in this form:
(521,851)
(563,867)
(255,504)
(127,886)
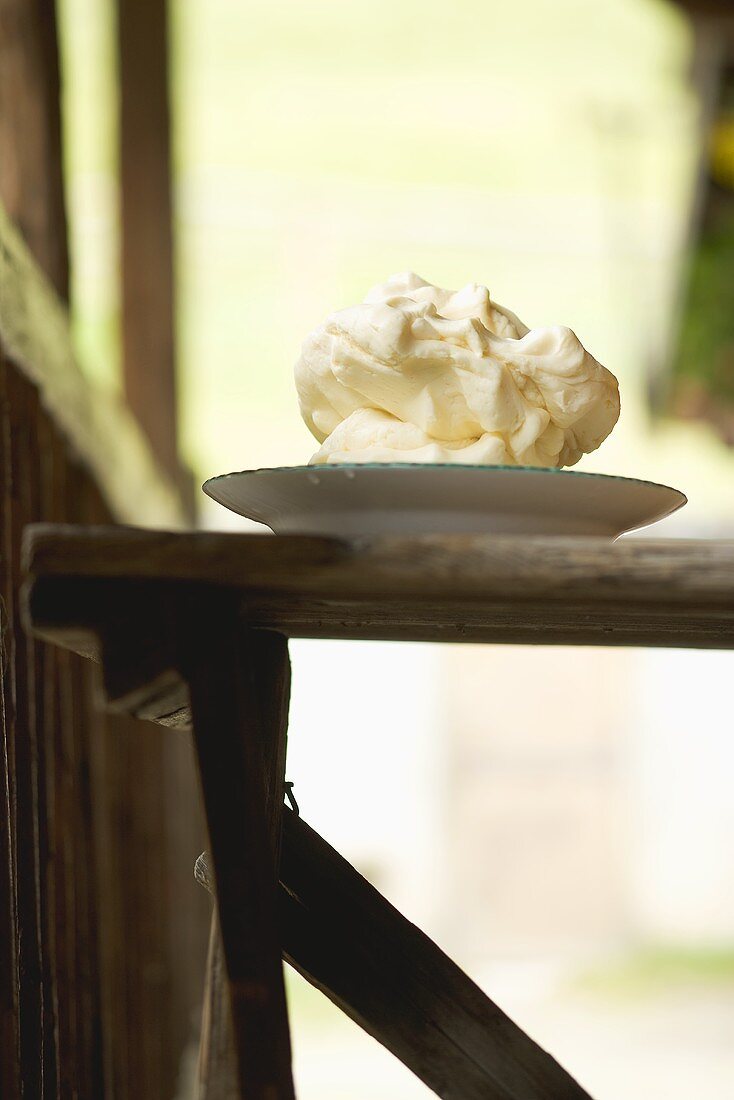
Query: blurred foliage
(707,339)
(722,150)
(704,370)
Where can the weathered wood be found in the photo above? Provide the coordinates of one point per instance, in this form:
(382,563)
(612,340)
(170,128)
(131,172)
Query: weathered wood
(146,225)
(217,1060)
(460,588)
(25,819)
(346,939)
(99,429)
(57,607)
(10,1072)
(148,828)
(149,686)
(239,685)
(218,1078)
(434,567)
(185,934)
(432,588)
(31,183)
(96,904)
(48,661)
(392,980)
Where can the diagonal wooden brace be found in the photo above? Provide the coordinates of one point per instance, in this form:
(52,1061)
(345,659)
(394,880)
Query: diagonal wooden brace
(346,939)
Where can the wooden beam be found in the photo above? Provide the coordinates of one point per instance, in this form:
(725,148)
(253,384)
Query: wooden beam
(346,939)
(147,235)
(31,174)
(239,683)
(473,588)
(685,572)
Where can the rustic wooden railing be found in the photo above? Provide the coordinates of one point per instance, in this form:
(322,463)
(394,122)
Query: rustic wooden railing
(191,629)
(98,831)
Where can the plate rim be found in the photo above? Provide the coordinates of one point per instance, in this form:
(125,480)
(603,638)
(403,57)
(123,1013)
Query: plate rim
(318,468)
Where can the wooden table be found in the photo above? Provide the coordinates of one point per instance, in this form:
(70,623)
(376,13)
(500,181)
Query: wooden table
(192,629)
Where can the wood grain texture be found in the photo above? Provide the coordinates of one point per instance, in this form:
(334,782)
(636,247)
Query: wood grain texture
(148,827)
(31,183)
(217,1057)
(239,682)
(347,939)
(430,588)
(25,820)
(392,980)
(97,906)
(96,588)
(431,566)
(217,1074)
(10,1062)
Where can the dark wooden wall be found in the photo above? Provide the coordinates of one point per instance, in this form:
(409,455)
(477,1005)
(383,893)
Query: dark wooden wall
(102,927)
(100,961)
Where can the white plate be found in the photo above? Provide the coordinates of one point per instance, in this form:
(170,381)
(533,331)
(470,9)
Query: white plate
(421,499)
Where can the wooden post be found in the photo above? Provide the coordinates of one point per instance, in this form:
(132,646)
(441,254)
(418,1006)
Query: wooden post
(31,175)
(240,683)
(147,236)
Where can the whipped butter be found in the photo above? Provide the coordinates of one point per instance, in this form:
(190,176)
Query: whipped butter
(420,374)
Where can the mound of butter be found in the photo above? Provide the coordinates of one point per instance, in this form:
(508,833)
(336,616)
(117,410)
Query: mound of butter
(420,374)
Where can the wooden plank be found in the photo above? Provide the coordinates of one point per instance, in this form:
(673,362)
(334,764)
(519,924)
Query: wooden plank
(146,214)
(35,336)
(349,942)
(46,664)
(9,1036)
(68,1006)
(429,567)
(144,848)
(55,993)
(24,508)
(31,182)
(185,909)
(63,796)
(111,806)
(70,612)
(217,1076)
(432,588)
(9,1022)
(86,975)
(238,683)
(501,623)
